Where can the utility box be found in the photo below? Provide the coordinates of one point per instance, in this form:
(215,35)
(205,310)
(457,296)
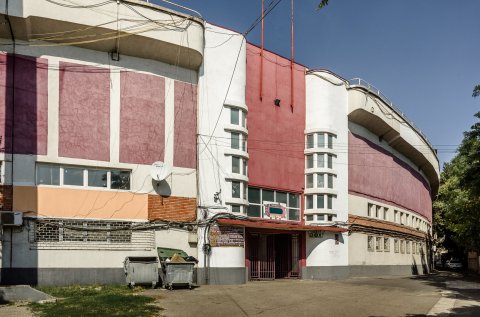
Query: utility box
(141,270)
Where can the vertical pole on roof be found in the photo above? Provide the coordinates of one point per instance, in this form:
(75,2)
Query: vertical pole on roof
(292,65)
(261,52)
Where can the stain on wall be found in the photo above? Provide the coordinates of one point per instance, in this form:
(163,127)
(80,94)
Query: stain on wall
(84,115)
(185,120)
(24,101)
(142,118)
(374,172)
(275,133)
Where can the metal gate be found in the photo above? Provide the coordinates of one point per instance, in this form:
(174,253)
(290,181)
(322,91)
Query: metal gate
(273,256)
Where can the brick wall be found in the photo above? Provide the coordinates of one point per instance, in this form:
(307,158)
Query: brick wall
(171,208)
(6,194)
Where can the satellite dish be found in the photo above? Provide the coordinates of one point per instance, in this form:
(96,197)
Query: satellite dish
(160,170)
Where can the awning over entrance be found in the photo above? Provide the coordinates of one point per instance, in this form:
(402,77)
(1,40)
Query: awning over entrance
(279,225)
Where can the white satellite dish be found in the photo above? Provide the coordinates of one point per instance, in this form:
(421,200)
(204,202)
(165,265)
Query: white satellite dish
(160,170)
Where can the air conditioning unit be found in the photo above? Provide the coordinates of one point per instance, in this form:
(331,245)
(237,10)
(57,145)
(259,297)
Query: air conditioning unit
(11,218)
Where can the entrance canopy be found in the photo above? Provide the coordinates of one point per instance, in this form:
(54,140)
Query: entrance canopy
(279,225)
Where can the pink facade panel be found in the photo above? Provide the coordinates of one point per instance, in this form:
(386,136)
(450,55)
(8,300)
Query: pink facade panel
(185,120)
(142,118)
(374,172)
(84,115)
(275,133)
(24,101)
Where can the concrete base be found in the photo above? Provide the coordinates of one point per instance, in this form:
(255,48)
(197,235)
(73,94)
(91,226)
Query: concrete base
(325,272)
(222,275)
(23,293)
(62,276)
(378,270)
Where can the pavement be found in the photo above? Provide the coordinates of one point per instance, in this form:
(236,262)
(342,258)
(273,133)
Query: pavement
(440,294)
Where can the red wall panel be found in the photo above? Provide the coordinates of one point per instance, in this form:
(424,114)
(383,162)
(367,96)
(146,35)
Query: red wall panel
(185,119)
(374,172)
(27,104)
(142,118)
(84,124)
(275,134)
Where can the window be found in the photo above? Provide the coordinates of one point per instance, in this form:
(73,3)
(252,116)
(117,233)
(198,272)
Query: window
(120,180)
(73,176)
(309,141)
(395,216)
(234,116)
(320,201)
(97,178)
(236,208)
(330,141)
(254,211)
(414,247)
(378,244)
(235,165)
(329,160)
(293,207)
(320,160)
(48,174)
(281,197)
(385,213)
(245,167)
(320,180)
(320,217)
(330,217)
(321,140)
(330,180)
(396,245)
(235,189)
(244,119)
(235,140)
(370,210)
(329,202)
(378,212)
(309,202)
(408,247)
(309,180)
(309,217)
(257,197)
(386,244)
(402,246)
(370,243)
(244,143)
(309,161)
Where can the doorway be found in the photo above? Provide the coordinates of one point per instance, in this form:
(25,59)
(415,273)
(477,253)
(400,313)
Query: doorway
(273,256)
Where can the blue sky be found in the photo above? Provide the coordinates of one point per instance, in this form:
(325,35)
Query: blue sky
(423,55)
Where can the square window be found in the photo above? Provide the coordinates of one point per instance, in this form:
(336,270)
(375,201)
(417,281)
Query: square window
(321,140)
(320,180)
(235,140)
(320,217)
(330,217)
(235,189)
(293,200)
(309,217)
(330,161)
(309,202)
(294,214)
(48,174)
(330,141)
(253,195)
(97,178)
(320,160)
(320,201)
(281,197)
(234,116)
(309,180)
(120,180)
(73,176)
(235,164)
(254,211)
(267,195)
(330,181)
(309,141)
(235,208)
(329,202)
(309,159)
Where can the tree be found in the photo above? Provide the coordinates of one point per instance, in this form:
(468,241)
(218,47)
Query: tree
(476,90)
(323,4)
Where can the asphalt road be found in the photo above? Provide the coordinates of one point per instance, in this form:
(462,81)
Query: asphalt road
(440,294)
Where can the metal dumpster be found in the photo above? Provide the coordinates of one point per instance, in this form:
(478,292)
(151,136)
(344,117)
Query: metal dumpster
(172,273)
(141,270)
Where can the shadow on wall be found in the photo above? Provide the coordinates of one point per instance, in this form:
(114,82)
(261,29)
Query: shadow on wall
(162,188)
(414,267)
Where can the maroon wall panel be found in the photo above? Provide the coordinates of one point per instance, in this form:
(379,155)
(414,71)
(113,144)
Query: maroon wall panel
(275,134)
(142,118)
(27,104)
(185,119)
(374,172)
(84,124)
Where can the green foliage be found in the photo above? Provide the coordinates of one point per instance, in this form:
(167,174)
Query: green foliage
(96,301)
(323,4)
(476,90)
(457,208)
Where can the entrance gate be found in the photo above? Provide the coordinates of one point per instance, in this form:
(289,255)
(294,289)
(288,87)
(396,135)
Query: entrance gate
(273,256)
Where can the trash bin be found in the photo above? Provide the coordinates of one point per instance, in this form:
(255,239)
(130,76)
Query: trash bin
(141,270)
(175,273)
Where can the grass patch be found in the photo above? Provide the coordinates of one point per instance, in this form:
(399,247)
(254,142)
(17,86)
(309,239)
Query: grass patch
(96,301)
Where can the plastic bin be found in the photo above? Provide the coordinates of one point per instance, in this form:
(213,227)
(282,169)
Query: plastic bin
(141,270)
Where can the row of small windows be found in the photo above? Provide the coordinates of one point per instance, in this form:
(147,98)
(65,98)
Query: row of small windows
(319,140)
(400,217)
(319,201)
(62,175)
(319,160)
(382,244)
(320,217)
(258,196)
(319,180)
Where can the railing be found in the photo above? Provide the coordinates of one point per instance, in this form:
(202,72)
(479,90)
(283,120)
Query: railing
(358,82)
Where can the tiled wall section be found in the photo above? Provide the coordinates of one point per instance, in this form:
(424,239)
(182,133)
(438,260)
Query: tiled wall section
(171,208)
